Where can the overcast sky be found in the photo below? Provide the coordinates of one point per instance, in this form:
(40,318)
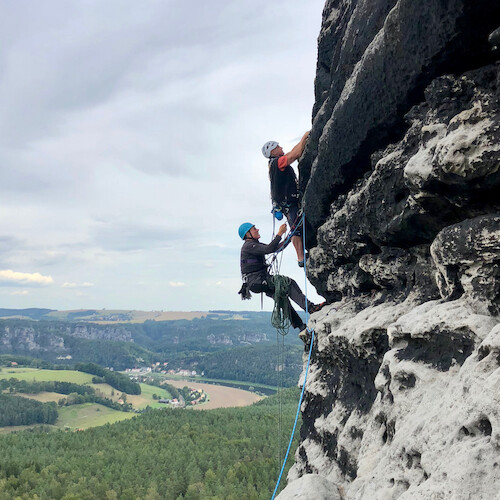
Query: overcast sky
(130,136)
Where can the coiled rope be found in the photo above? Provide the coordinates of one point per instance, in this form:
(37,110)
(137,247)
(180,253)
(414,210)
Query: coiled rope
(280,318)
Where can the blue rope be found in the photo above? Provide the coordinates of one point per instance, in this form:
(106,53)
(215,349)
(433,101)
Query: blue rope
(288,239)
(311,331)
(296,416)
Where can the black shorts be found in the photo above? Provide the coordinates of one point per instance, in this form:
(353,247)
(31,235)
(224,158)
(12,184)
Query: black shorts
(292,216)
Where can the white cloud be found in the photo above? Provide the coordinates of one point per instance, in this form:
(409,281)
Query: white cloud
(20,292)
(77,285)
(176,284)
(9,276)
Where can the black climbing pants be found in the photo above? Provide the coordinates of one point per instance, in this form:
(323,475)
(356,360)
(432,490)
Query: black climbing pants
(295,293)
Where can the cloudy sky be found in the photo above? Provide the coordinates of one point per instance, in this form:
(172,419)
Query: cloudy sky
(130,136)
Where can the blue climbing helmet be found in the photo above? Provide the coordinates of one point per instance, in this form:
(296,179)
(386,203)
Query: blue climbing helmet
(244,228)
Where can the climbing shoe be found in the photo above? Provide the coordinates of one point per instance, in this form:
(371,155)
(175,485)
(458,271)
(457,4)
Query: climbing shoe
(302,262)
(313,308)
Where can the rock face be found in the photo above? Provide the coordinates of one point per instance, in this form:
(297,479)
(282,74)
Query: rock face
(246,338)
(22,337)
(103,333)
(26,339)
(401,177)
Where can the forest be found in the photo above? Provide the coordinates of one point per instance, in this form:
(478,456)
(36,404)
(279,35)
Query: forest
(16,410)
(256,363)
(232,453)
(34,387)
(116,380)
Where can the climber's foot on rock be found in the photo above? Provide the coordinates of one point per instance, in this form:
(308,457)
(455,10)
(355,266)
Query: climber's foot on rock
(313,308)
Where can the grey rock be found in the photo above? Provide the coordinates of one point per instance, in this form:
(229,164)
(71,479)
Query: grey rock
(30,341)
(402,195)
(379,56)
(494,38)
(467,257)
(47,337)
(429,180)
(101,332)
(310,487)
(219,339)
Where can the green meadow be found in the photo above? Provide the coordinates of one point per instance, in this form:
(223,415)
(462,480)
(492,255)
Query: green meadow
(88,415)
(40,375)
(83,416)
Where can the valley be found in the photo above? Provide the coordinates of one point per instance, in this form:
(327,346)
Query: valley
(86,415)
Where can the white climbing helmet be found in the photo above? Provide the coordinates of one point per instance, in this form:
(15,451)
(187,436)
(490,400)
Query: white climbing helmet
(268,147)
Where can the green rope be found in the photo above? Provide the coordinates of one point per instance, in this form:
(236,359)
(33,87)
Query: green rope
(280,318)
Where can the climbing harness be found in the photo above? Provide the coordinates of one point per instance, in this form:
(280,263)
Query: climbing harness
(311,331)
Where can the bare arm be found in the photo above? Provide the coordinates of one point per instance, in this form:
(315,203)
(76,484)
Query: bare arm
(297,150)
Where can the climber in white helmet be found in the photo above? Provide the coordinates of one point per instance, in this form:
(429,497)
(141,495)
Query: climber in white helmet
(284,189)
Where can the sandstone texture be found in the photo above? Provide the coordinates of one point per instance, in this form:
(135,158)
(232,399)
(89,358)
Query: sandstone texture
(401,181)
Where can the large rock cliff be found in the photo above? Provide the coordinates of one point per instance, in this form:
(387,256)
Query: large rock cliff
(401,191)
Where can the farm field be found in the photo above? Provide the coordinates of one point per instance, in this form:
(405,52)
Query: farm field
(106,317)
(38,374)
(219,396)
(250,386)
(139,401)
(44,397)
(84,416)
(75,417)
(146,397)
(88,415)
(115,316)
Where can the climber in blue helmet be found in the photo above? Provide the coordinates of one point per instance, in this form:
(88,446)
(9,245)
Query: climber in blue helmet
(255,271)
(284,190)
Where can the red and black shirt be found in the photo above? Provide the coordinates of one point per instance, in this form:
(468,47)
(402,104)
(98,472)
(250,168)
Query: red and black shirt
(283,181)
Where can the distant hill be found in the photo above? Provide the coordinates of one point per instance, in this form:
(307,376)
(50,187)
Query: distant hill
(110,316)
(226,344)
(32,313)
